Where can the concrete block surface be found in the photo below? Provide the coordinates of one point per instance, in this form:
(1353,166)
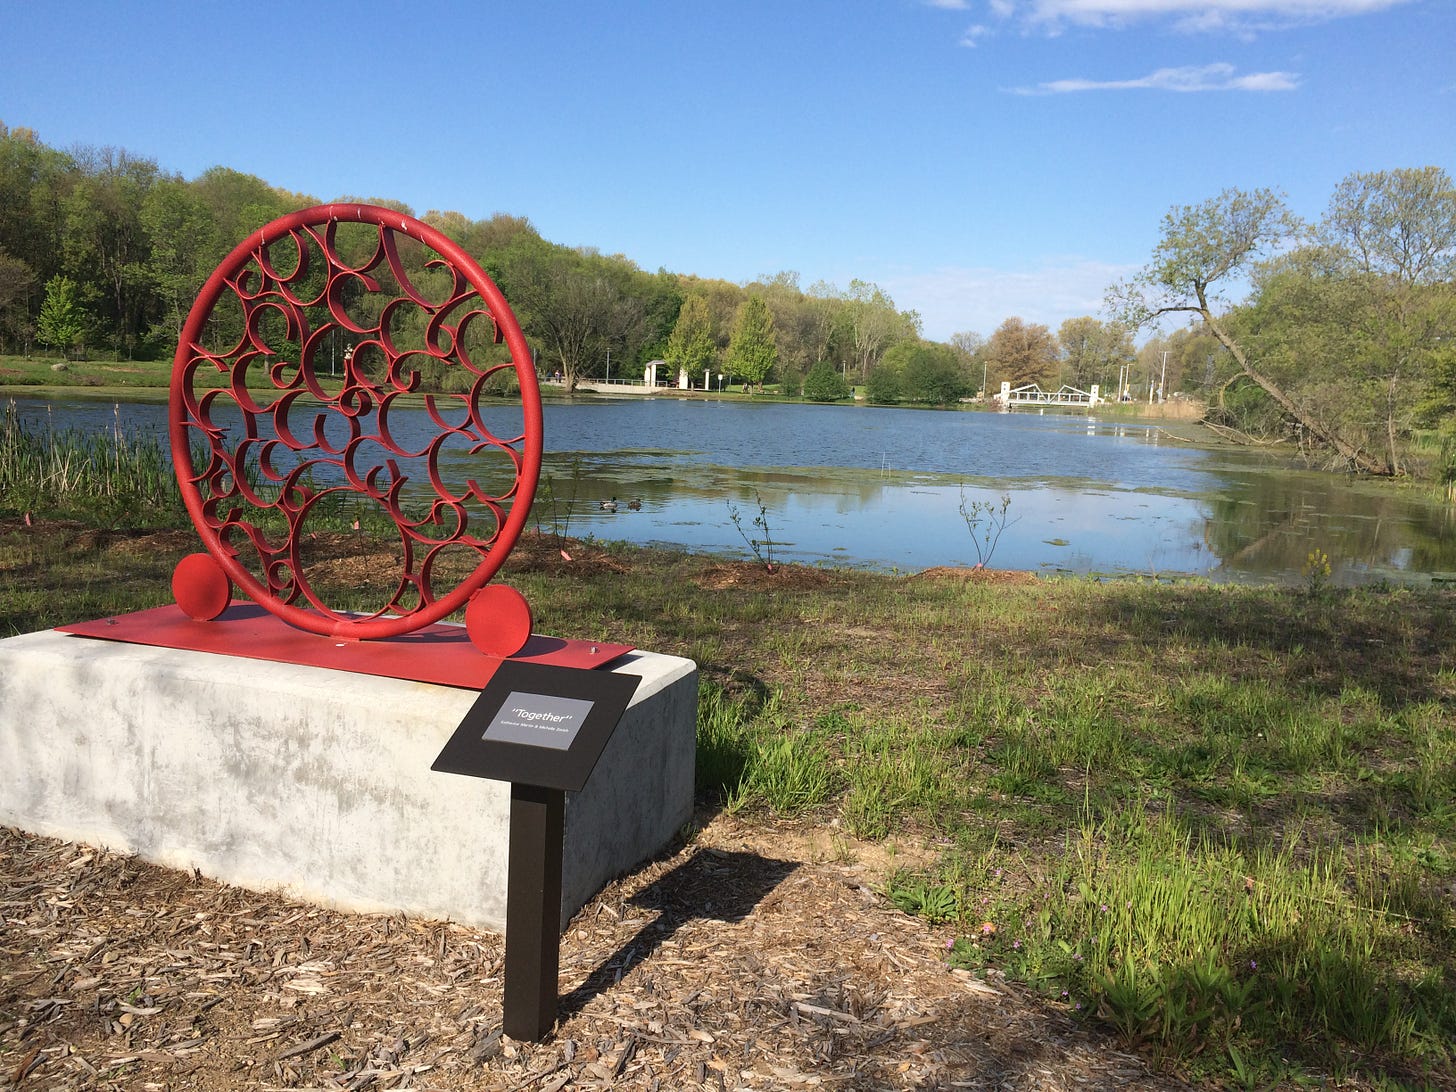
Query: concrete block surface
(312,782)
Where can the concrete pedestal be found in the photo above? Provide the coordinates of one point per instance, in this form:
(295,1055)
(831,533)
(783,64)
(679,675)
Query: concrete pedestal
(314,782)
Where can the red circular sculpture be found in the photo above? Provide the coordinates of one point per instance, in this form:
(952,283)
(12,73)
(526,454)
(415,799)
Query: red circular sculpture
(288,419)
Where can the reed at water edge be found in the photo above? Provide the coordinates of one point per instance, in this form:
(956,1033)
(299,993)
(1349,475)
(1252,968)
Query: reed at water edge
(101,471)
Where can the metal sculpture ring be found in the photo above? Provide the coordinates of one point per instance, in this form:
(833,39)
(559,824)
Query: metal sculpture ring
(349,368)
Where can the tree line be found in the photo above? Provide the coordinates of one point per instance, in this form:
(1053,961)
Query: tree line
(1343,343)
(102,250)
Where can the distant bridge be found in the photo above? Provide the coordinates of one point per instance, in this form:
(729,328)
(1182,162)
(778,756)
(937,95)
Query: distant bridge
(1032,395)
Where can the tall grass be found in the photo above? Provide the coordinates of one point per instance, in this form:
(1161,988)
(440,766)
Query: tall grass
(108,474)
(749,754)
(116,477)
(1218,957)
(896,768)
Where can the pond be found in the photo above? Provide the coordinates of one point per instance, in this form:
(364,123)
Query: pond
(883,488)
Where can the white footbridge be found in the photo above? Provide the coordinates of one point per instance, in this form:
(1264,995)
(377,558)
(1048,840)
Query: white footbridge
(1032,395)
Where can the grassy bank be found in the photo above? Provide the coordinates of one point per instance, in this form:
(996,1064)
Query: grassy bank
(53,371)
(1218,822)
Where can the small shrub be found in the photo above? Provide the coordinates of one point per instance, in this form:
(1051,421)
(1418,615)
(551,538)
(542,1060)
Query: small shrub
(986,521)
(763,548)
(825,384)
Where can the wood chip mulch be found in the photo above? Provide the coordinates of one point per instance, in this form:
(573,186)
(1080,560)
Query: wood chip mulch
(736,962)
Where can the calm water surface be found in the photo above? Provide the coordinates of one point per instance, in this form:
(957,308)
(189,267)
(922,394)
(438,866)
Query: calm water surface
(882,488)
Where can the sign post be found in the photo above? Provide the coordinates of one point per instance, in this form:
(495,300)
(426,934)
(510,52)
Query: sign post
(542,729)
(533,911)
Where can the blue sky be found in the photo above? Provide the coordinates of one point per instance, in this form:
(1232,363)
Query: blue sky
(975,158)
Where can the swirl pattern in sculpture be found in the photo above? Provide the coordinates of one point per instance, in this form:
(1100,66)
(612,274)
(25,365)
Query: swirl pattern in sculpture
(349,366)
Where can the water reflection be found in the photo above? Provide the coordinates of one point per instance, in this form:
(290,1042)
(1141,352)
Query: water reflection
(882,488)
(1271,523)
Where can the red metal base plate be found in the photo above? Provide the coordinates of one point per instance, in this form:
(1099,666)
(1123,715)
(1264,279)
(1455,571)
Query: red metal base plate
(439,653)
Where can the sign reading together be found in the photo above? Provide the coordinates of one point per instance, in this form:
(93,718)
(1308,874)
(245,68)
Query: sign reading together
(539,725)
(539,720)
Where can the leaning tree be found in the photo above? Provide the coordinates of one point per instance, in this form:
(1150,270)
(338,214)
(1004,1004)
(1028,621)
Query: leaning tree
(1203,249)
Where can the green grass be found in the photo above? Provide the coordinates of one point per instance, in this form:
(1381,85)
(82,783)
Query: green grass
(1218,822)
(1242,861)
(98,370)
(1223,955)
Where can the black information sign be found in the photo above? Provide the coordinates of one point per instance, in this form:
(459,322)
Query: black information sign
(539,725)
(542,729)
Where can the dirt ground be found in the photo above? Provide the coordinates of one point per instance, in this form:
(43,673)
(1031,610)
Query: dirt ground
(748,958)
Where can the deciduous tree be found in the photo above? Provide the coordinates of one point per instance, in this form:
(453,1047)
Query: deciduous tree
(1022,352)
(825,384)
(692,347)
(970,350)
(1394,234)
(1204,247)
(932,376)
(62,321)
(104,242)
(1094,352)
(16,282)
(1438,411)
(571,304)
(829,317)
(918,371)
(874,324)
(180,226)
(752,350)
(883,387)
(34,181)
(1344,328)
(1196,361)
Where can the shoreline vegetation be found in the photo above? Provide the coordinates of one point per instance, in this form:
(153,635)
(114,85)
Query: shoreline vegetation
(40,375)
(1213,827)
(1331,336)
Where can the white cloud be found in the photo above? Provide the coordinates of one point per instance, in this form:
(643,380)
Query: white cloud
(953,299)
(1208,77)
(949,5)
(1192,16)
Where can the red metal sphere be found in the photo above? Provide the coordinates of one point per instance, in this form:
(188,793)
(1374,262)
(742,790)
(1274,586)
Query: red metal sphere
(200,587)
